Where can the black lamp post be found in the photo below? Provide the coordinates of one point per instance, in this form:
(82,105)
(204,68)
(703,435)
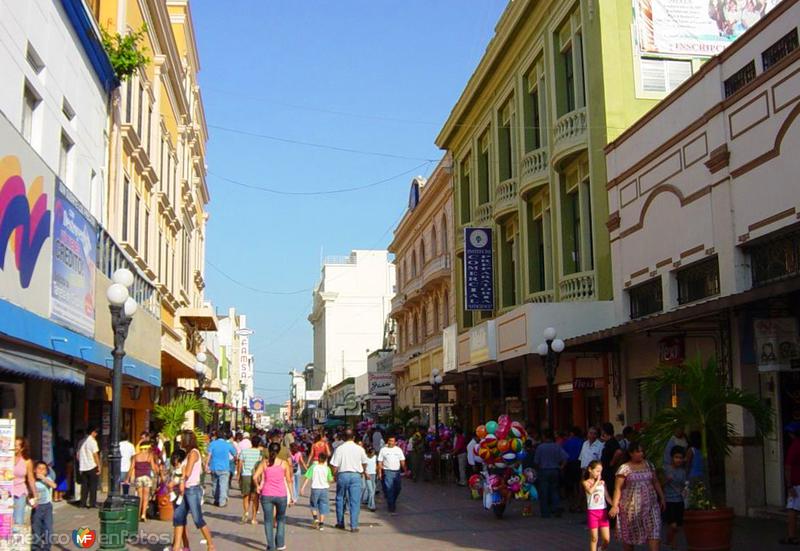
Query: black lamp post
(243,389)
(200,371)
(122,307)
(392,398)
(436,382)
(550,351)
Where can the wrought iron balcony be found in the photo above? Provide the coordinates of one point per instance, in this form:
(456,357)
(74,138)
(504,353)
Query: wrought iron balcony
(505,198)
(577,287)
(570,129)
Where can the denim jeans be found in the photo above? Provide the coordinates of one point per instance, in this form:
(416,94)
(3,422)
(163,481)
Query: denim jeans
(368,495)
(19,509)
(391,487)
(275,536)
(297,476)
(348,487)
(192,503)
(549,499)
(220,481)
(319,501)
(41,527)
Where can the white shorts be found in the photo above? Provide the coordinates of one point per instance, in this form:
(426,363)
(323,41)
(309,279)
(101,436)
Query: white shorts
(794,502)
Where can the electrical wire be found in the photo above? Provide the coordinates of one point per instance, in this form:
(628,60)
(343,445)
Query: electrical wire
(324,192)
(254,289)
(317,145)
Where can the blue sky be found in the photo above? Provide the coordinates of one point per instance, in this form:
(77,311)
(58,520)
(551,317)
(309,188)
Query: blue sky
(373,76)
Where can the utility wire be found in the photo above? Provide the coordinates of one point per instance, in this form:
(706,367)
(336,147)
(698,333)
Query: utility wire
(254,289)
(325,192)
(317,145)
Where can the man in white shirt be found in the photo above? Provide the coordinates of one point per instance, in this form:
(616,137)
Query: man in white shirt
(126,451)
(377,441)
(89,469)
(391,463)
(471,457)
(592,448)
(349,461)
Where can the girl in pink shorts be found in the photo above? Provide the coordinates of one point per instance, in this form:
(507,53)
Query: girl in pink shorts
(596,512)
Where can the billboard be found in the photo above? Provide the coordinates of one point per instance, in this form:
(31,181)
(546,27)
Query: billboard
(478,270)
(379,383)
(74,258)
(694,27)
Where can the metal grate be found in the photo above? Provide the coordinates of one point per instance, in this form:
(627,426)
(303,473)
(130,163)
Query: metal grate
(646,298)
(740,79)
(776,259)
(698,281)
(783,47)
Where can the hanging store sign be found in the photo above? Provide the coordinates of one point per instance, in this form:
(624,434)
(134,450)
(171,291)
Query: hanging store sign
(671,350)
(583,383)
(74,261)
(256,405)
(478,269)
(380,406)
(776,343)
(694,27)
(379,383)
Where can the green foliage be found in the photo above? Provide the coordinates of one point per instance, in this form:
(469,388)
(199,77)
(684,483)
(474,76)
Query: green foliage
(173,415)
(125,51)
(698,497)
(704,402)
(405,416)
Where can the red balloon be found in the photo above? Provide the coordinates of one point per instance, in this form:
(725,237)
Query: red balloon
(480,431)
(503,445)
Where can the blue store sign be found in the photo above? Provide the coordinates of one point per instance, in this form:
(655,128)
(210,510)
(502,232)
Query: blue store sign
(478,269)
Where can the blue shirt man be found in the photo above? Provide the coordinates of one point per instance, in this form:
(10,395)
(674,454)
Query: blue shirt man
(218,463)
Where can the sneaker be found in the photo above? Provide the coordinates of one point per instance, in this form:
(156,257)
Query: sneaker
(340,526)
(321,527)
(355,530)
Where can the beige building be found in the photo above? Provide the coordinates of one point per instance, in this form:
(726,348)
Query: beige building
(423,305)
(157,191)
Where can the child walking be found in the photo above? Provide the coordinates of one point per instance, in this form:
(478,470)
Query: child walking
(596,512)
(371,477)
(42,514)
(320,476)
(675,476)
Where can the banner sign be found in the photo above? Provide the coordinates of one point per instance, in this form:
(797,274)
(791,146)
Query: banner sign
(694,27)
(776,343)
(7,437)
(47,439)
(379,383)
(380,406)
(478,269)
(74,258)
(256,405)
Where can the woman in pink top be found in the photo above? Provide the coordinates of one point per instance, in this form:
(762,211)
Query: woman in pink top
(299,466)
(192,494)
(274,477)
(24,483)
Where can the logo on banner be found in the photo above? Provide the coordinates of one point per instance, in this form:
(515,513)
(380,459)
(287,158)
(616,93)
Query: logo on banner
(478,269)
(256,405)
(84,538)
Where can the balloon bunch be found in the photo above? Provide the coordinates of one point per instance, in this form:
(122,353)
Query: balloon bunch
(501,443)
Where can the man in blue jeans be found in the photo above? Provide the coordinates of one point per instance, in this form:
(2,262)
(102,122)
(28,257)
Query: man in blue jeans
(549,459)
(218,462)
(349,461)
(391,464)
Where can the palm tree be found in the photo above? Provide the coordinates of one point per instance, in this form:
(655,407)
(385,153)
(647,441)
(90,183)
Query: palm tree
(173,415)
(405,415)
(705,399)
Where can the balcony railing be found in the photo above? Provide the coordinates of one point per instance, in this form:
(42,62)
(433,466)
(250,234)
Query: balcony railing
(576,287)
(110,258)
(571,127)
(411,286)
(541,297)
(483,214)
(506,197)
(436,267)
(535,165)
(397,302)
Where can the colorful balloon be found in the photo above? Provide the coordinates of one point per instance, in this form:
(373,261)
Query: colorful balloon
(491,427)
(515,445)
(481,432)
(509,457)
(503,445)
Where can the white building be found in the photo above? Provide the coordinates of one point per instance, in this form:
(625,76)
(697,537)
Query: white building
(704,200)
(351,305)
(235,359)
(53,92)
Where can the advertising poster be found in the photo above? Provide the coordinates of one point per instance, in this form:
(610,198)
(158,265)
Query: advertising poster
(776,343)
(379,383)
(7,435)
(694,27)
(257,405)
(47,439)
(380,406)
(478,270)
(74,257)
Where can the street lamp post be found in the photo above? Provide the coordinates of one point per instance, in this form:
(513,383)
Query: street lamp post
(200,371)
(550,351)
(122,307)
(243,388)
(291,398)
(392,398)
(436,382)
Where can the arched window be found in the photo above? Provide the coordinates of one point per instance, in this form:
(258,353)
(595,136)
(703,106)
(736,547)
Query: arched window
(399,277)
(414,263)
(424,332)
(417,331)
(434,241)
(436,322)
(422,253)
(446,308)
(444,234)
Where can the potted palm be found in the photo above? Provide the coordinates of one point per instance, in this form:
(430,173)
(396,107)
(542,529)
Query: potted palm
(704,401)
(173,416)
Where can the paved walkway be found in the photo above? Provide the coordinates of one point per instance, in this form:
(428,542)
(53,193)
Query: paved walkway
(431,517)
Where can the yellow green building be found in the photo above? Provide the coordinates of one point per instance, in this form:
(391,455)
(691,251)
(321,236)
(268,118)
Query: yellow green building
(556,84)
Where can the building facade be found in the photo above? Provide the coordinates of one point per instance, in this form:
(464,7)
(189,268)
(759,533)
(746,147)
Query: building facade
(712,167)
(56,257)
(156,187)
(423,307)
(558,81)
(350,311)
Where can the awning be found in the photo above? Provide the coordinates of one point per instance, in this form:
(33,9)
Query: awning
(203,318)
(332,423)
(41,367)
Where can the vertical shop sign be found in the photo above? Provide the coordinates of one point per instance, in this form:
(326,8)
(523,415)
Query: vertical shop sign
(74,258)
(478,269)
(47,439)
(7,437)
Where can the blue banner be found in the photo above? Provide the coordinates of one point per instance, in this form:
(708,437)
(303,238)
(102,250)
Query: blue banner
(478,269)
(256,404)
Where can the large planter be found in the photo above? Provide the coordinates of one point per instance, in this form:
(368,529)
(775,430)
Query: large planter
(164,506)
(709,530)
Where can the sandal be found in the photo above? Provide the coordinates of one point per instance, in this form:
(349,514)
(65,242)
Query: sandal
(789,541)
